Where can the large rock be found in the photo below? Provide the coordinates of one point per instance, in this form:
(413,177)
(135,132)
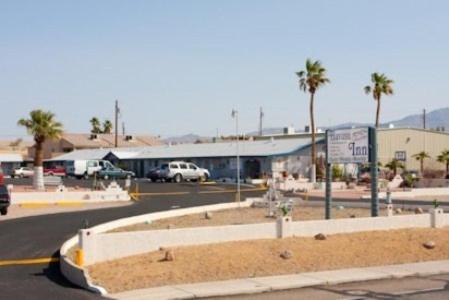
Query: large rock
(287,254)
(208,215)
(429,245)
(320,237)
(398,211)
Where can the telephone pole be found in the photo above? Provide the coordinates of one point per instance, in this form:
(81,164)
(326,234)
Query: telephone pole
(424,118)
(123,128)
(116,123)
(261,115)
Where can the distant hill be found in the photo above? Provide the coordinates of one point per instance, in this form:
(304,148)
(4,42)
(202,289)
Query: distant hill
(434,119)
(186,139)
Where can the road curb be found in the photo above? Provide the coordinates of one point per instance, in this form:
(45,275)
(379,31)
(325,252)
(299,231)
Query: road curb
(285,282)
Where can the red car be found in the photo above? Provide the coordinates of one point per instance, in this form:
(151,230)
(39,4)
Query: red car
(55,171)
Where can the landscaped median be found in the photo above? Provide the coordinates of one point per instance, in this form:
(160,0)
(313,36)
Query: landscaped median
(223,242)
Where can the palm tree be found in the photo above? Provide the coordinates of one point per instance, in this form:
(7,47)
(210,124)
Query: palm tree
(381,85)
(310,80)
(444,158)
(421,156)
(95,123)
(107,126)
(42,126)
(394,165)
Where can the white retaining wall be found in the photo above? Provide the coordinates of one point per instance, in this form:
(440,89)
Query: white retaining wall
(53,197)
(108,246)
(414,193)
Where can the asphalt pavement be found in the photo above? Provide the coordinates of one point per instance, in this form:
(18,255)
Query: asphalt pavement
(41,236)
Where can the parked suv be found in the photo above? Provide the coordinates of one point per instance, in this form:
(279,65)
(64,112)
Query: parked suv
(5,200)
(178,171)
(23,172)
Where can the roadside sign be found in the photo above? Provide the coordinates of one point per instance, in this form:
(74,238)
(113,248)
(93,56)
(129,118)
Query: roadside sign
(348,146)
(400,155)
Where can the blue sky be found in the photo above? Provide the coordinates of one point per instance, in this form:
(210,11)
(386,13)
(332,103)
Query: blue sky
(181,66)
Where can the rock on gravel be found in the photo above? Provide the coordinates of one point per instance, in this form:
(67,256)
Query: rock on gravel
(208,215)
(398,211)
(429,245)
(169,255)
(320,237)
(287,254)
(419,210)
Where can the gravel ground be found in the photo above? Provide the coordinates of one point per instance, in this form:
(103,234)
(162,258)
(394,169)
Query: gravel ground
(245,216)
(262,258)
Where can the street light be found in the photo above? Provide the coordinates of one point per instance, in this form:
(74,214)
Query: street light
(235,115)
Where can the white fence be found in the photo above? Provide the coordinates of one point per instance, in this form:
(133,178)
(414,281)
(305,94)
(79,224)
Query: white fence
(108,246)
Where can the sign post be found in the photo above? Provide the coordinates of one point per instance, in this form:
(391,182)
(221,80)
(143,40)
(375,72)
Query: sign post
(374,172)
(328,181)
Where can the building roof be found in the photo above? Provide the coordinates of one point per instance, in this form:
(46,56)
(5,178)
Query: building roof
(223,149)
(10,157)
(86,140)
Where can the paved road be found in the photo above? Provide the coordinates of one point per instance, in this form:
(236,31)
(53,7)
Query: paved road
(41,236)
(410,288)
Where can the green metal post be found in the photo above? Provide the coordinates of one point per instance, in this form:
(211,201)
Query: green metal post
(374,174)
(328,182)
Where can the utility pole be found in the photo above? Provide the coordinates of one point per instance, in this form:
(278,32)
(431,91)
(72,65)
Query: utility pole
(116,123)
(424,118)
(235,115)
(123,128)
(261,115)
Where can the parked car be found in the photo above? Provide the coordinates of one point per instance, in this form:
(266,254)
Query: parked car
(55,171)
(112,172)
(5,200)
(178,171)
(155,175)
(85,168)
(23,172)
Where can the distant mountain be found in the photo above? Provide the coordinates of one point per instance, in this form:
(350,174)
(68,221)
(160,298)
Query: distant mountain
(434,119)
(186,139)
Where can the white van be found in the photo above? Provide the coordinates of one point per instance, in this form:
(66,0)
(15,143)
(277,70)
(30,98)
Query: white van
(85,168)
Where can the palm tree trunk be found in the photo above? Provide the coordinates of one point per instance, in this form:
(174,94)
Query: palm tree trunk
(378,112)
(313,148)
(422,166)
(447,169)
(38,178)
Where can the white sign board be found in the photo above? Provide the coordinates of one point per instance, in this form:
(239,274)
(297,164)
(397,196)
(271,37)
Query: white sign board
(348,146)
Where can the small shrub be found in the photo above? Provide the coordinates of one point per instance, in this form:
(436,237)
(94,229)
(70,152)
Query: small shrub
(337,172)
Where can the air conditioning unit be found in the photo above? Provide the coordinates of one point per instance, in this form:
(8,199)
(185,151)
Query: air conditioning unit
(129,138)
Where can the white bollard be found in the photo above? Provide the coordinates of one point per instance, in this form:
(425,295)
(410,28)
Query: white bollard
(284,228)
(390,210)
(436,217)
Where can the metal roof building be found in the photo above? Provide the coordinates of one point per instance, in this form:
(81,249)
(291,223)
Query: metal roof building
(218,157)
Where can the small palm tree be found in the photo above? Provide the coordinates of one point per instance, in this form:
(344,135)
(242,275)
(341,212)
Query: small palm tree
(95,123)
(421,156)
(394,165)
(107,127)
(444,158)
(381,86)
(42,126)
(310,80)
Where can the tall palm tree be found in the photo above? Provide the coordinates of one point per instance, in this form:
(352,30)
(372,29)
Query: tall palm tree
(381,86)
(95,123)
(107,126)
(444,158)
(310,80)
(421,156)
(42,126)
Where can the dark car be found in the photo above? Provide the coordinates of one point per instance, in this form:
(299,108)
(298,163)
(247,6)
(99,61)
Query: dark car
(155,175)
(5,200)
(115,173)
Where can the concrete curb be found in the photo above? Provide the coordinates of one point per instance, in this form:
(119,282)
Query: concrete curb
(284,282)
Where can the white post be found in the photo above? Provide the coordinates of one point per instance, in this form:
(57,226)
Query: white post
(38,178)
(436,217)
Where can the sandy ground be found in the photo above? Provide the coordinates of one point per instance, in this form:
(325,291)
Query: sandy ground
(17,211)
(246,216)
(262,258)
